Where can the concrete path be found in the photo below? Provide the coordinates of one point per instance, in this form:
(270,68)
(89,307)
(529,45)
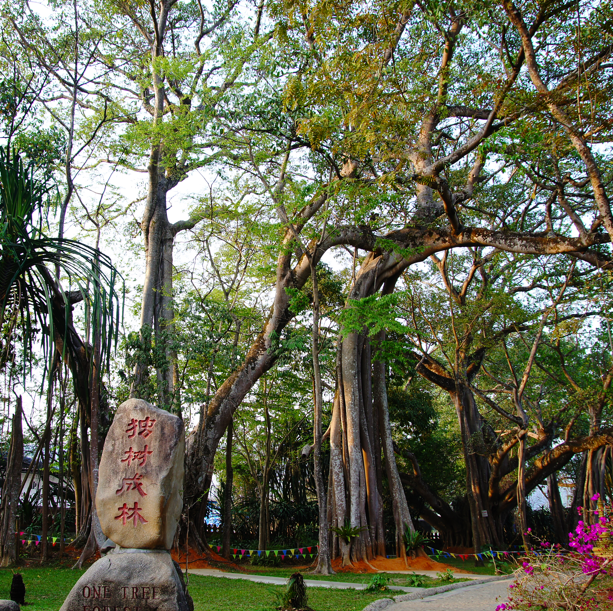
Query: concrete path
(433,574)
(281,581)
(481,597)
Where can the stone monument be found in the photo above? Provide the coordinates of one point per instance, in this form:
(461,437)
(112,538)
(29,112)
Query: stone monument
(139,501)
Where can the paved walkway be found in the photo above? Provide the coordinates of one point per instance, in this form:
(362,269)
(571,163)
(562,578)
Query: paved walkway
(481,597)
(317,583)
(281,581)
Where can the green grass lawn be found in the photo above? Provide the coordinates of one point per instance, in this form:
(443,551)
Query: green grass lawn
(213,594)
(46,589)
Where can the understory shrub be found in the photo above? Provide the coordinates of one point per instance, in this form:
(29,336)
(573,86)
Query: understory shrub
(266,560)
(377,583)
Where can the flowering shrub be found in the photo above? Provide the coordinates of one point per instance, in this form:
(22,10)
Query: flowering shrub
(580,579)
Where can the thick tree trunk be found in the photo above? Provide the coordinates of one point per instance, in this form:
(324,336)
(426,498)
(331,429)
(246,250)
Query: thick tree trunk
(486,527)
(350,389)
(157,311)
(10,492)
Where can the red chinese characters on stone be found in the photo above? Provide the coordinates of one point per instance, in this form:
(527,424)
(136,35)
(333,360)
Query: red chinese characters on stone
(130,513)
(141,427)
(132,483)
(139,456)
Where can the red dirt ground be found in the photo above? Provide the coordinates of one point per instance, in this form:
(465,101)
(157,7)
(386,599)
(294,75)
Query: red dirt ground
(203,561)
(394,564)
(215,561)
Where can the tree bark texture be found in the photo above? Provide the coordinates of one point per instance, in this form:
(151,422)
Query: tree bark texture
(324,566)
(10,492)
(227,501)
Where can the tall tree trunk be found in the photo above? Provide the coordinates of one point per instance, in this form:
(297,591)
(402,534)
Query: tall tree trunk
(10,492)
(486,527)
(227,505)
(47,458)
(522,508)
(264,526)
(400,507)
(75,470)
(556,507)
(62,474)
(338,476)
(157,310)
(46,465)
(324,566)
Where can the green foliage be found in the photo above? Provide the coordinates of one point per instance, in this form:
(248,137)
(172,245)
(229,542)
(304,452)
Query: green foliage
(413,540)
(412,409)
(28,289)
(266,560)
(377,313)
(446,577)
(377,583)
(416,581)
(347,532)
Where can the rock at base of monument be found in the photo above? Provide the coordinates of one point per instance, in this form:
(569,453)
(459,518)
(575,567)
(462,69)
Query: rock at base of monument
(8,605)
(130,580)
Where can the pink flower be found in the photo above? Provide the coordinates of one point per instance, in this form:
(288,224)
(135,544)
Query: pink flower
(595,497)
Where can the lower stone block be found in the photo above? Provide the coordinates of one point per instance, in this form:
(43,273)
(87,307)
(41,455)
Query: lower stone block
(131,580)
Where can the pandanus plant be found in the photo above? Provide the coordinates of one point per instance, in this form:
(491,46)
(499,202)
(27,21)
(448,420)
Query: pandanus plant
(32,264)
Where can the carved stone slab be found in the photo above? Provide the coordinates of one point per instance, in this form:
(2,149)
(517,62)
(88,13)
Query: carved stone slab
(130,580)
(140,489)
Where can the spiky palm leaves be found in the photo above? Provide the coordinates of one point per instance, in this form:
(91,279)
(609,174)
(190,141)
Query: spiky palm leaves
(30,294)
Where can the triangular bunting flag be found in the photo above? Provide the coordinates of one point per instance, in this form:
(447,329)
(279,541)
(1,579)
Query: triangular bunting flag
(300,549)
(309,549)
